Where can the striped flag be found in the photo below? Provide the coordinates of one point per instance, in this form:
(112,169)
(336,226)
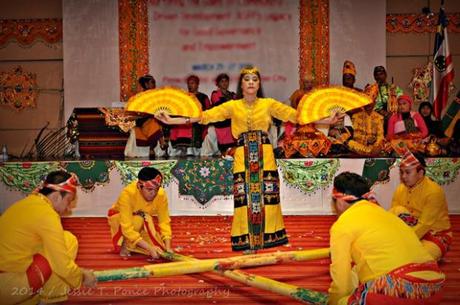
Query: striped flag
(443,67)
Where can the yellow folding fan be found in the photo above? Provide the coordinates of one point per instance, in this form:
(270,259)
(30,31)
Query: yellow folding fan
(322,102)
(173,101)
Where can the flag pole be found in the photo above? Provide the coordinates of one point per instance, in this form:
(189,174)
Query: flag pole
(443,69)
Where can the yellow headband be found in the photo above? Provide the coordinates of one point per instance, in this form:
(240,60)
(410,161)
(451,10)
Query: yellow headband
(252,70)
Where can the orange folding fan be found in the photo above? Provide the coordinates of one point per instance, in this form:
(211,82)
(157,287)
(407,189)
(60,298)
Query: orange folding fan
(322,102)
(173,101)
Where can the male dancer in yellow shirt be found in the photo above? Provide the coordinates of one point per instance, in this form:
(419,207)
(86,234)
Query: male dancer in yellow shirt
(421,203)
(391,264)
(37,257)
(131,221)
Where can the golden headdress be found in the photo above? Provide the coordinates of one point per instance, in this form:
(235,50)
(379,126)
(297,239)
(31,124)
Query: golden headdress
(349,68)
(249,70)
(372,91)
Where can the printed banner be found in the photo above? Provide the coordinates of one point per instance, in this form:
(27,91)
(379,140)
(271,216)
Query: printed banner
(211,37)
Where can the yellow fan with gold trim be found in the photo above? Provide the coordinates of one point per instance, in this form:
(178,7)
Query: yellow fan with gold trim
(322,102)
(173,101)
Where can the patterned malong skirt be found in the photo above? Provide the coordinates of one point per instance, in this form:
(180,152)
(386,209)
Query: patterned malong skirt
(399,287)
(257,219)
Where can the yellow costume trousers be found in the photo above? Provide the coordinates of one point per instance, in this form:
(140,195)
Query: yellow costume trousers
(143,225)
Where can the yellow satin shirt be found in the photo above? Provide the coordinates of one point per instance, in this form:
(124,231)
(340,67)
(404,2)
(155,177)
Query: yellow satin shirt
(377,242)
(131,200)
(30,226)
(427,202)
(245,117)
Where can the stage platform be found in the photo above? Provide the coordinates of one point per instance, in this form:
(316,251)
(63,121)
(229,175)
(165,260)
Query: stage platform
(208,237)
(204,186)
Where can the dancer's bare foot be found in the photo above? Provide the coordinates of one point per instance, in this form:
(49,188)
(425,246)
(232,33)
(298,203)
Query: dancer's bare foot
(124,252)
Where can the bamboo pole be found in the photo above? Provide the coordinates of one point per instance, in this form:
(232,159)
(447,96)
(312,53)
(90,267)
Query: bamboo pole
(303,295)
(185,265)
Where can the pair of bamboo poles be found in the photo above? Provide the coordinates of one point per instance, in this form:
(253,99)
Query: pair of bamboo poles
(228,268)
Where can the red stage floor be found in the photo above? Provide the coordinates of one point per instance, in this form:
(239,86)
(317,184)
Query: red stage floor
(208,237)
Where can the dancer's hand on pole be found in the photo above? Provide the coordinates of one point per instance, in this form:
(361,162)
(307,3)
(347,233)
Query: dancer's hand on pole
(156,252)
(89,279)
(168,246)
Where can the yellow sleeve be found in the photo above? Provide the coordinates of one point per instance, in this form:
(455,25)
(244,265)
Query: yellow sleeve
(340,268)
(395,201)
(126,216)
(217,114)
(435,205)
(283,112)
(164,221)
(50,230)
